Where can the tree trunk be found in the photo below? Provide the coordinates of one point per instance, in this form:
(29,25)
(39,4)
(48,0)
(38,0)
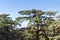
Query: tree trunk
(37,32)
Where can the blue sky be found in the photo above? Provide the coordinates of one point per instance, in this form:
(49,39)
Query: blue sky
(13,6)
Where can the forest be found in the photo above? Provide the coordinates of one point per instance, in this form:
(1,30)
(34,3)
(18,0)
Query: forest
(42,25)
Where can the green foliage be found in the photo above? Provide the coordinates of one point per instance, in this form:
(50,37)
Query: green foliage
(40,19)
(7,25)
(41,26)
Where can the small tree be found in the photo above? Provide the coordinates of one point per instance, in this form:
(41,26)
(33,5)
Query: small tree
(6,24)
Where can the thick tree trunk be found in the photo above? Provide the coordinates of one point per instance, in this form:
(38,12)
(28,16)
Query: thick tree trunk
(37,35)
